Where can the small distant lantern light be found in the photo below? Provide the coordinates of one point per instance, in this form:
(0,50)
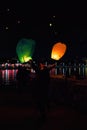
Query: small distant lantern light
(50,24)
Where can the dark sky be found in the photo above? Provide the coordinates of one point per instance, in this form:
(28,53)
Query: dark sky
(33,19)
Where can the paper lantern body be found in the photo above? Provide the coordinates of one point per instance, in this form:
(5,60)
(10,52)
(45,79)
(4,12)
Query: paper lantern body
(58,50)
(25,49)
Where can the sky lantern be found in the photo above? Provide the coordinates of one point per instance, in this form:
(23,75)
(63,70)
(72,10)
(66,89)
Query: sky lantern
(58,50)
(25,49)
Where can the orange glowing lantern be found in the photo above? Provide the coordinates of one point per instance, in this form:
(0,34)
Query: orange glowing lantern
(58,50)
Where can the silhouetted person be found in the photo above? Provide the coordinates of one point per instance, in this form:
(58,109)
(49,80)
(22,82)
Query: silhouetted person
(22,77)
(41,86)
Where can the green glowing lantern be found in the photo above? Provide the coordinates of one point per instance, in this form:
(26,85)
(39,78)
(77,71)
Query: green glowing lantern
(25,49)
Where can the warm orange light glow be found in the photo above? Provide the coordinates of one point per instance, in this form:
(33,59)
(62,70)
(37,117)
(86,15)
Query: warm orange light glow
(58,50)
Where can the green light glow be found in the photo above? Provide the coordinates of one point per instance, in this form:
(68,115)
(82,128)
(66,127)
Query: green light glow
(25,49)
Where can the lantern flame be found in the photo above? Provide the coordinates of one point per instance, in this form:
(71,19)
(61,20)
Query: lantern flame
(58,51)
(26,59)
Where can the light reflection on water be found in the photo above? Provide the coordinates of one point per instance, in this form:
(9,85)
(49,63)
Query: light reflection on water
(9,76)
(82,71)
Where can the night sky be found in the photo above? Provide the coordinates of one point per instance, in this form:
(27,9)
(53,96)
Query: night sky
(46,23)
